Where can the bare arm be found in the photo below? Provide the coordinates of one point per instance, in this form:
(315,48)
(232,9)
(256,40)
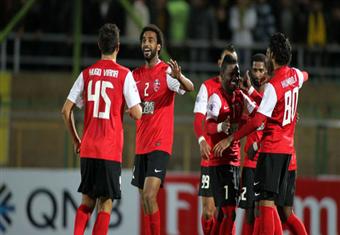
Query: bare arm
(186,84)
(67,113)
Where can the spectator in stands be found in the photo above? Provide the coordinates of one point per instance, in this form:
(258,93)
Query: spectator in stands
(265,25)
(142,12)
(179,13)
(335,20)
(201,26)
(242,21)
(160,16)
(300,20)
(222,19)
(284,17)
(317,32)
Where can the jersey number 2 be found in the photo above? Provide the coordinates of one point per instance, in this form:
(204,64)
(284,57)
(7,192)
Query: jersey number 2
(291,100)
(100,91)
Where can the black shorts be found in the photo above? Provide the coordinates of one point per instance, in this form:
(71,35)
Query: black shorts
(247,194)
(100,178)
(225,184)
(271,177)
(290,191)
(205,183)
(150,164)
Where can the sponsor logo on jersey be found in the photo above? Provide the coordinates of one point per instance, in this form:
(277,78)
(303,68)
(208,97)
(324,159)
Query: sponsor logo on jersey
(156,85)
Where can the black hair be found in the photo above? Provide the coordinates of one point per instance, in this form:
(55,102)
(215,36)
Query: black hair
(229,47)
(259,57)
(280,46)
(108,39)
(228,59)
(155,29)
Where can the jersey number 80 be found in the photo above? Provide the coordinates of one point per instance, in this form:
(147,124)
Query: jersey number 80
(291,99)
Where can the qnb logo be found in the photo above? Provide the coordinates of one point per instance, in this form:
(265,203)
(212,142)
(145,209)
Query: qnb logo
(315,206)
(5,208)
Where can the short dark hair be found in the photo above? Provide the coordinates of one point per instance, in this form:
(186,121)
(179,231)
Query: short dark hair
(280,46)
(108,39)
(259,57)
(155,29)
(229,47)
(228,59)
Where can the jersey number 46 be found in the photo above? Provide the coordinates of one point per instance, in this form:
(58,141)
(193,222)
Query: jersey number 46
(100,93)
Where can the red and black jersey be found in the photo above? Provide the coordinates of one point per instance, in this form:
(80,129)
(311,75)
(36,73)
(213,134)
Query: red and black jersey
(155,130)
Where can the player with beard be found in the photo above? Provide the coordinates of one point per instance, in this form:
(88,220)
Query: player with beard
(157,83)
(226,107)
(278,111)
(206,90)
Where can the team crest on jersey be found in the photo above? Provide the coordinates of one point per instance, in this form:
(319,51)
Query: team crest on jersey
(156,85)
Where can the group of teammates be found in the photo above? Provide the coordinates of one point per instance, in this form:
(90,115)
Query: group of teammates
(105,87)
(226,109)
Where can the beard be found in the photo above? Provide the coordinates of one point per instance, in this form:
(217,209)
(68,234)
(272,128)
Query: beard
(149,54)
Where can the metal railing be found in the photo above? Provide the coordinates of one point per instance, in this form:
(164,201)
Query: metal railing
(27,51)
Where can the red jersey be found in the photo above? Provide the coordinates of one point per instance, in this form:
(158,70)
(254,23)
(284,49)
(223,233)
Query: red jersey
(220,106)
(207,88)
(155,130)
(103,89)
(279,104)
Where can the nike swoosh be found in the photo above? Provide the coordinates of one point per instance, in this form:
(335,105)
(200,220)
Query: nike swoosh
(157,171)
(257,194)
(256,183)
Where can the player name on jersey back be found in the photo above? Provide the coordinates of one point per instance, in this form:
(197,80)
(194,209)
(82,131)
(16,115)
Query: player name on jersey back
(107,72)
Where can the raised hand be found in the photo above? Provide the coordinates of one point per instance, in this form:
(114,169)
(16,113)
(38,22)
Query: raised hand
(226,126)
(176,71)
(245,84)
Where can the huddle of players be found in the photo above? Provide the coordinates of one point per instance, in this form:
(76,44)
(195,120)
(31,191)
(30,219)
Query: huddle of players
(105,87)
(224,104)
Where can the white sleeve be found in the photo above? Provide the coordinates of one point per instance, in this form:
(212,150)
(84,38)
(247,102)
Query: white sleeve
(269,100)
(130,91)
(214,107)
(76,92)
(300,77)
(251,105)
(201,100)
(173,84)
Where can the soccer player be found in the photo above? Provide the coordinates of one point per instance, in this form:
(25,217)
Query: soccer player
(288,218)
(206,90)
(157,82)
(103,89)
(226,107)
(278,111)
(258,78)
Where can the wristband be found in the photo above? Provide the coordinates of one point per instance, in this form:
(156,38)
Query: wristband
(201,139)
(255,147)
(251,90)
(219,127)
